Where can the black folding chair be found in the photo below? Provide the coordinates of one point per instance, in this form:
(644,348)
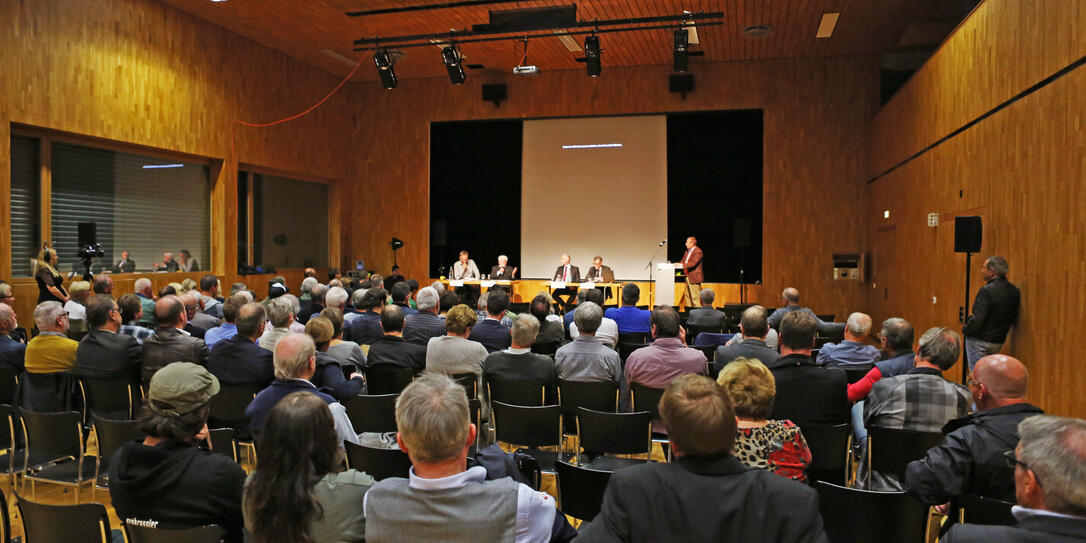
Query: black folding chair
(889,450)
(831,453)
(46,523)
(469,381)
(57,439)
(5,520)
(634,337)
(224,441)
(372,413)
(516,392)
(626,349)
(974,509)
(855,374)
(648,399)
(378,463)
(116,399)
(601,434)
(111,435)
(548,348)
(9,383)
(228,411)
(595,395)
(12,450)
(692,332)
(531,427)
(851,515)
(580,490)
(204,534)
(388,379)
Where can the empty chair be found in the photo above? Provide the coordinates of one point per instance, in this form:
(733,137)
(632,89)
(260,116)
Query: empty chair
(228,411)
(57,440)
(580,490)
(203,534)
(594,395)
(46,523)
(975,509)
(378,463)
(850,515)
(224,441)
(116,399)
(531,427)
(831,452)
(469,381)
(372,413)
(388,379)
(516,392)
(889,451)
(111,435)
(634,337)
(600,434)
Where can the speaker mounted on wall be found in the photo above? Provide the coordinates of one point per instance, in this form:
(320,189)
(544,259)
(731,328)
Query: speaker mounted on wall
(967,234)
(495,92)
(681,83)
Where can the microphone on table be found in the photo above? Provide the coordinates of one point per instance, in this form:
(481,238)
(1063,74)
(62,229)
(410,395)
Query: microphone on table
(662,243)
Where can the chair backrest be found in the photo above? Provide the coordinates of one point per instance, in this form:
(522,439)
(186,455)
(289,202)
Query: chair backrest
(595,395)
(531,426)
(829,451)
(625,349)
(850,515)
(646,399)
(388,379)
(8,424)
(112,395)
(372,413)
(5,520)
(516,392)
(634,337)
(112,434)
(204,534)
(708,350)
(580,490)
(224,441)
(615,433)
(975,509)
(9,382)
(53,435)
(469,381)
(711,339)
(856,373)
(46,523)
(228,406)
(548,348)
(378,463)
(693,330)
(890,451)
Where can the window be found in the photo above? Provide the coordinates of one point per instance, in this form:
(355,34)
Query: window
(25,183)
(283,223)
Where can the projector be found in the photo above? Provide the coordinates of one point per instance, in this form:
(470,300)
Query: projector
(526,70)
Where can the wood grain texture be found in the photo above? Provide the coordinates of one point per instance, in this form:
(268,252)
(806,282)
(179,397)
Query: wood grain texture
(1023,170)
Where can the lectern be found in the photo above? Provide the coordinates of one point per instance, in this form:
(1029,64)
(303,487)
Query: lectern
(665,284)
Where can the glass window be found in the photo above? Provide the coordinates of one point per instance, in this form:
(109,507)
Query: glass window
(25,184)
(290,222)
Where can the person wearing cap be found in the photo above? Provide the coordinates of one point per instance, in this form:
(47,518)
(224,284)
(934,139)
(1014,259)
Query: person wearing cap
(164,479)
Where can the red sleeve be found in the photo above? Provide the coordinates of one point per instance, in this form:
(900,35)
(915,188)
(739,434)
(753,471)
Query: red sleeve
(860,389)
(792,459)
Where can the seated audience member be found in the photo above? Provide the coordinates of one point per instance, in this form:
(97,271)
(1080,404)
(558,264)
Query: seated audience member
(280,316)
(51,351)
(519,363)
(772,339)
(449,300)
(401,293)
(490,331)
(228,328)
(897,356)
(666,358)
(295,362)
(132,314)
(295,305)
(705,494)
(366,328)
(168,290)
(315,304)
(920,400)
(441,493)
(170,343)
(454,353)
(300,493)
(586,359)
(209,291)
(706,316)
(425,323)
(243,289)
(329,374)
(165,480)
(1049,480)
(347,354)
(336,297)
(194,306)
(394,277)
(76,306)
(550,331)
(629,318)
(239,360)
(774,445)
(147,301)
(484,298)
(12,351)
(104,353)
(567,318)
(439,287)
(852,352)
(358,305)
(414,286)
(391,349)
(306,289)
(753,328)
(607,333)
(806,392)
(790,296)
(103,284)
(970,460)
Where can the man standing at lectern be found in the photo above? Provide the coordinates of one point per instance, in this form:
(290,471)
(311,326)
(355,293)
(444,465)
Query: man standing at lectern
(694,272)
(566,273)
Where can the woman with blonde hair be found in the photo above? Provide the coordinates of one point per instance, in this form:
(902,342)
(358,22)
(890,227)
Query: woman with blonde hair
(774,445)
(50,281)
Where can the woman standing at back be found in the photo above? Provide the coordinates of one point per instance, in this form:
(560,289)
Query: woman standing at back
(50,281)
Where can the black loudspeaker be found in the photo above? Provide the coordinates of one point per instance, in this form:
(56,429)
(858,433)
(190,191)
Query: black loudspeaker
(438,233)
(88,233)
(967,234)
(741,233)
(681,83)
(495,92)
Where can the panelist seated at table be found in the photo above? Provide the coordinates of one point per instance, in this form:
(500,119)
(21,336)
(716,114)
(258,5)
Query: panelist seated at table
(464,268)
(599,273)
(503,270)
(566,273)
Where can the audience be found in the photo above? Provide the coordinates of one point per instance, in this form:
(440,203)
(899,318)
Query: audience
(366,328)
(300,493)
(897,356)
(191,301)
(806,392)
(308,283)
(666,358)
(347,354)
(78,293)
(449,300)
(228,328)
(774,445)
(852,352)
(132,314)
(401,293)
(51,351)
(194,307)
(170,343)
(454,353)
(586,359)
(550,331)
(280,316)
(483,299)
(336,297)
(314,305)
(607,333)
(239,360)
(12,351)
(519,363)
(753,327)
(147,301)
(165,480)
(391,349)
(358,305)
(104,353)
(425,323)
(705,494)
(491,332)
(706,316)
(329,374)
(629,318)
(209,291)
(103,284)
(790,296)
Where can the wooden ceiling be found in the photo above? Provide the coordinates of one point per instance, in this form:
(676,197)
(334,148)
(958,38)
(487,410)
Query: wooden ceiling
(309,29)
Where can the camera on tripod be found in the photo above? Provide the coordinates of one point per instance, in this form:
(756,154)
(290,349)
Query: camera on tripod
(89,248)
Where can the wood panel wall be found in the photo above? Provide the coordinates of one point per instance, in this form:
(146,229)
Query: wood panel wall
(1023,170)
(816,113)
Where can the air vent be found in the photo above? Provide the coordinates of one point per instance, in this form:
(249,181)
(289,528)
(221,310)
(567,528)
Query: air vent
(757,31)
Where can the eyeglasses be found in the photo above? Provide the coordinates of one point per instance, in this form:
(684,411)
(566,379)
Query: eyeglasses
(1012,461)
(972,381)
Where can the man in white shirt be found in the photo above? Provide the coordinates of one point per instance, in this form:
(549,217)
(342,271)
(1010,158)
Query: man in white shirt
(464,268)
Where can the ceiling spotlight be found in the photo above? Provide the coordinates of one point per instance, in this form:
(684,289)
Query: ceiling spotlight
(453,65)
(592,55)
(682,41)
(383,59)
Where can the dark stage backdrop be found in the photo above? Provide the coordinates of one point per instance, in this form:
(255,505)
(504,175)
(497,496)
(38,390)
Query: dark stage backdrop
(714,178)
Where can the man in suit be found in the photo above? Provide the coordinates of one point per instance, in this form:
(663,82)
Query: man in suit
(806,392)
(104,353)
(125,264)
(490,332)
(503,270)
(168,264)
(569,274)
(1049,475)
(705,494)
(598,273)
(240,360)
(754,328)
(706,316)
(694,272)
(12,351)
(391,349)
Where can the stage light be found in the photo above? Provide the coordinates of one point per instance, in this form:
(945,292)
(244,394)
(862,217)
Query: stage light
(383,59)
(592,55)
(682,41)
(452,58)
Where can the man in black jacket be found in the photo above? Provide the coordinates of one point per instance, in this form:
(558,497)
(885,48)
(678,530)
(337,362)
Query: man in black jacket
(104,353)
(519,363)
(705,494)
(753,327)
(170,342)
(970,460)
(806,392)
(706,316)
(239,360)
(391,349)
(994,311)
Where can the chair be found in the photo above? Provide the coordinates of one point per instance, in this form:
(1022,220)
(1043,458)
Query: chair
(372,413)
(831,452)
(224,441)
(204,534)
(378,463)
(548,348)
(516,392)
(856,373)
(826,317)
(5,520)
(580,490)
(388,379)
(599,434)
(475,414)
(711,339)
(46,523)
(111,435)
(9,382)
(520,307)
(57,438)
(693,331)
(974,509)
(469,381)
(595,395)
(634,337)
(625,349)
(12,459)
(850,515)
(708,350)
(889,450)
(648,399)
(531,427)
(109,397)
(228,411)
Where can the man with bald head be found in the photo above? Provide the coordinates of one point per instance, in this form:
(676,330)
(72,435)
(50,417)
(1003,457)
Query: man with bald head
(145,292)
(790,296)
(853,351)
(970,460)
(12,352)
(171,343)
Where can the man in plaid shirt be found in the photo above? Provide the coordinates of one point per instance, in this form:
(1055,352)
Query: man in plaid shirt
(920,400)
(131,313)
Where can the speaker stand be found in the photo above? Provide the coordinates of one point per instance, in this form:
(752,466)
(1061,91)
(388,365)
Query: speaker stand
(965,317)
(742,281)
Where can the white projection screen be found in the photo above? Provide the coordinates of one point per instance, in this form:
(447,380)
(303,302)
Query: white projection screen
(583,194)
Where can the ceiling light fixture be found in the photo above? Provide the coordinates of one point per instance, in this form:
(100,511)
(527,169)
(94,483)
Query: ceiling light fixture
(383,59)
(571,44)
(757,31)
(593,146)
(451,56)
(826,26)
(592,55)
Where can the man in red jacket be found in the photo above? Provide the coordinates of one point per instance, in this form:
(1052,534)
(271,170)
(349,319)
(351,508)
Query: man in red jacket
(694,272)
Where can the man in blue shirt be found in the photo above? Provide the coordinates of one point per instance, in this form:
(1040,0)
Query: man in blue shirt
(630,319)
(227,329)
(852,352)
